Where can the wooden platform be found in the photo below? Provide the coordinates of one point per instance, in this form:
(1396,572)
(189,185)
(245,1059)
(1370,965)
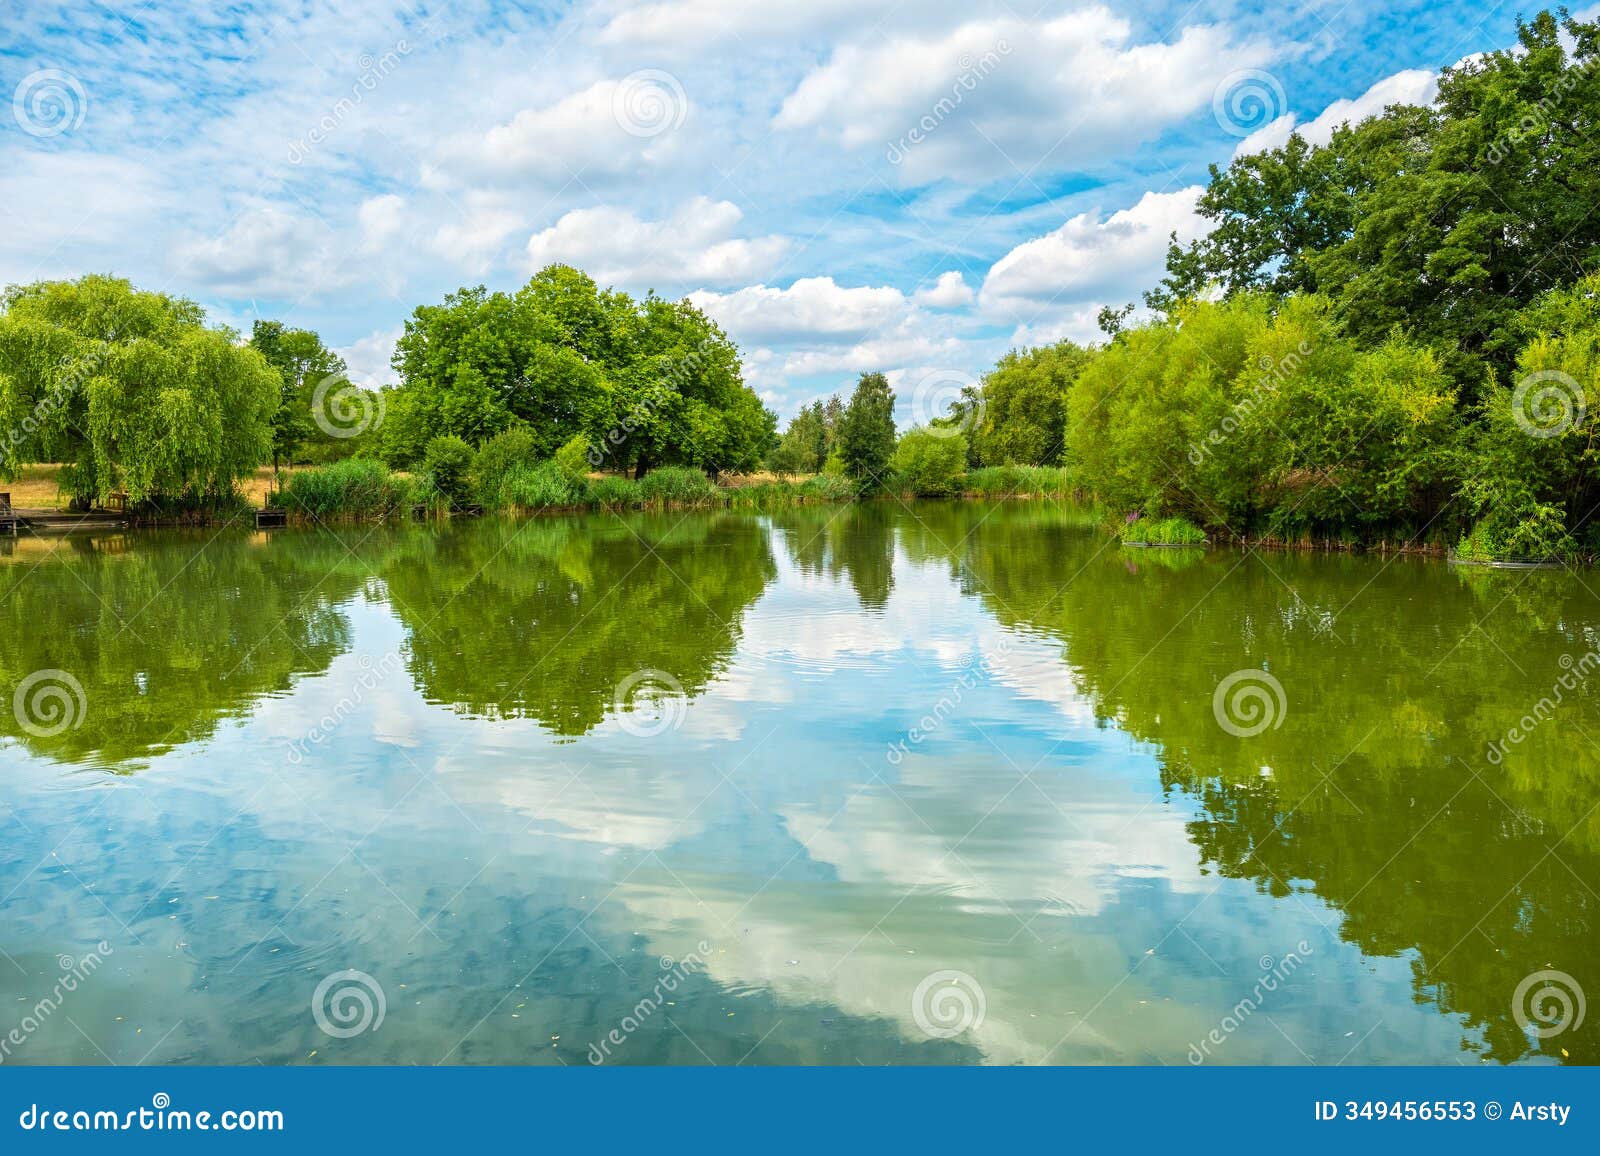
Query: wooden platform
(58,522)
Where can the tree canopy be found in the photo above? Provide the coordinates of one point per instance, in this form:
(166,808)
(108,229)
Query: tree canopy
(648,382)
(130,390)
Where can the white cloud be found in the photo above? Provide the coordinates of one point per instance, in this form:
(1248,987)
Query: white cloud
(381,220)
(1413,86)
(695,246)
(1090,259)
(475,240)
(367,360)
(811,307)
(1072,89)
(950,291)
(611,128)
(266,252)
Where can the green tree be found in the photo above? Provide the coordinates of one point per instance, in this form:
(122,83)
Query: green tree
(866,432)
(930,462)
(302,362)
(648,383)
(1021,410)
(130,390)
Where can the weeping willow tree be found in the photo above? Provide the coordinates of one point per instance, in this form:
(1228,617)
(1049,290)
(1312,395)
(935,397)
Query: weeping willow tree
(130,391)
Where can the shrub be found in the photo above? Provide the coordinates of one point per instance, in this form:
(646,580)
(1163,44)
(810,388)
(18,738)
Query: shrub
(514,448)
(1163,532)
(572,459)
(929,463)
(676,486)
(826,488)
(1018,481)
(354,488)
(538,488)
(446,463)
(615,492)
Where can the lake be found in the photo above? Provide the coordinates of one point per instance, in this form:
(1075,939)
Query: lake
(948,783)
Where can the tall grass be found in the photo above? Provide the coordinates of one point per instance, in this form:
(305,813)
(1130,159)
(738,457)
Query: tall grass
(1018,482)
(354,488)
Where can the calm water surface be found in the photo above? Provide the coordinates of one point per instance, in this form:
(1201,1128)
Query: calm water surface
(850,779)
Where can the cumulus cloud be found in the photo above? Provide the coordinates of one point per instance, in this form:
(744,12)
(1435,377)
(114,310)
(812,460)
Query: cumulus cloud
(367,360)
(1090,259)
(1071,89)
(695,246)
(612,127)
(1413,86)
(267,252)
(950,291)
(811,307)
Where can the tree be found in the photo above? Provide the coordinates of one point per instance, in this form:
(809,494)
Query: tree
(130,390)
(1021,412)
(866,432)
(929,462)
(648,383)
(302,362)
(806,443)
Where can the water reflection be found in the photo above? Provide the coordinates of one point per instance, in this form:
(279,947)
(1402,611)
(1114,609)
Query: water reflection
(957,737)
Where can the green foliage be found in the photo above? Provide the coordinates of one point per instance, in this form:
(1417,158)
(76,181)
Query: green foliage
(1019,481)
(354,488)
(677,486)
(1163,532)
(649,382)
(302,362)
(497,458)
(572,459)
(130,390)
(1021,411)
(929,463)
(866,432)
(447,464)
(810,438)
(615,493)
(539,487)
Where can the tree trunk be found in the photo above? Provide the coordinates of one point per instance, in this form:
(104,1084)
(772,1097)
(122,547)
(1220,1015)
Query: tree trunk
(640,468)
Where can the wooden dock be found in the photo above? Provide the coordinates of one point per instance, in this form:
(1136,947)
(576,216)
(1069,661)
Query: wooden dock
(15,519)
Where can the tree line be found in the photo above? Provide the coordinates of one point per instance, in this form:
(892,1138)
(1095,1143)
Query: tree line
(1391,337)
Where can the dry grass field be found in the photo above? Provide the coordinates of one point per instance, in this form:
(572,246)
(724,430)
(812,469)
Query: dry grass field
(36,489)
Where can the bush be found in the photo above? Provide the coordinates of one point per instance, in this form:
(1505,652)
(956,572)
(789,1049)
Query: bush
(446,463)
(1163,532)
(513,449)
(1018,481)
(929,463)
(538,488)
(826,488)
(676,486)
(572,459)
(354,488)
(615,492)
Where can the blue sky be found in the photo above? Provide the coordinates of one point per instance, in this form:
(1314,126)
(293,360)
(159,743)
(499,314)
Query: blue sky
(843,184)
